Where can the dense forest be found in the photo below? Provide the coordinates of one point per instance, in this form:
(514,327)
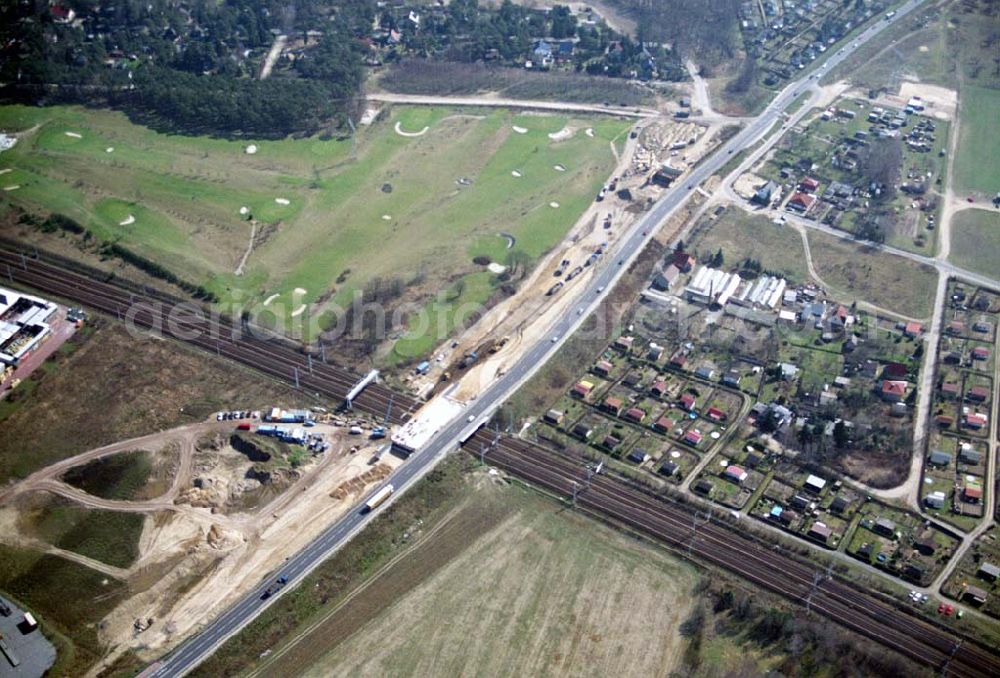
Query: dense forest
(196,66)
(185,66)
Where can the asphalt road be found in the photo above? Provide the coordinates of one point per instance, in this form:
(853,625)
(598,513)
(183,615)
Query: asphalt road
(200,646)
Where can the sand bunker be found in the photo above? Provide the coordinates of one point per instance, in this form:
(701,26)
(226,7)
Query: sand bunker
(494,267)
(924,48)
(5,170)
(386,217)
(74,135)
(271,298)
(559,168)
(11,188)
(299,290)
(515,173)
(251,149)
(298,311)
(561,135)
(109,149)
(509,238)
(553,205)
(244,210)
(127,221)
(282,201)
(519,130)
(400,132)
(589,132)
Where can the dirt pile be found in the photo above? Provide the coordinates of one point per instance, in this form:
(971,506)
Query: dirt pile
(358,484)
(221,539)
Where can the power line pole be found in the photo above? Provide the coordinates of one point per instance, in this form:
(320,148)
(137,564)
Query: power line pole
(817,578)
(951,655)
(482,453)
(296,372)
(310,358)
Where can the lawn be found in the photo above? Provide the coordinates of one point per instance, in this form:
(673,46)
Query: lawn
(740,235)
(414,197)
(976,167)
(975,240)
(857,271)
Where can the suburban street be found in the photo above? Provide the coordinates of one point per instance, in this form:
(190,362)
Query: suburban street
(216,631)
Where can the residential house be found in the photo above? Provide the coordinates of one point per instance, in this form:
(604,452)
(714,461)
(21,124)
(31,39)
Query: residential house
(603,368)
(554,417)
(624,343)
(949,390)
(939,458)
(975,420)
(703,487)
(893,390)
(668,468)
(913,329)
(687,401)
(638,456)
(808,185)
(820,532)
(664,424)
(635,414)
(611,442)
(972,492)
(789,371)
(814,484)
(582,389)
(732,378)
(975,595)
(715,414)
(977,394)
(693,437)
(955,327)
(659,388)
(935,500)
(766,194)
(683,261)
(980,353)
(704,372)
(988,572)
(583,431)
(735,474)
(969,455)
(885,527)
(654,353)
(612,405)
(800,202)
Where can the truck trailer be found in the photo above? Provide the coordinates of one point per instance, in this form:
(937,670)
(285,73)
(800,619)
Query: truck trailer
(378,498)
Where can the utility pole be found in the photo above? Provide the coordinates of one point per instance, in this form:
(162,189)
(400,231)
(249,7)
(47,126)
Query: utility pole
(575,489)
(10,274)
(296,371)
(322,350)
(310,358)
(947,662)
(694,528)
(482,453)
(817,578)
(24,262)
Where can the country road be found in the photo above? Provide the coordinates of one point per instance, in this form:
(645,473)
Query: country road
(492,101)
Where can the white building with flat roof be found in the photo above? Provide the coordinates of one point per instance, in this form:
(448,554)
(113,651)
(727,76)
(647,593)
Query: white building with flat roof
(711,286)
(23,324)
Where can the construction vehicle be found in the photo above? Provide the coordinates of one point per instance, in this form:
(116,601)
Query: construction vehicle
(378,433)
(575,272)
(499,344)
(468,360)
(555,288)
(446,376)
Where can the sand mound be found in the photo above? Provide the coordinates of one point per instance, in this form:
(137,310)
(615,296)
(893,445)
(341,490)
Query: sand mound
(519,130)
(251,149)
(282,201)
(299,290)
(553,205)
(515,173)
(271,298)
(400,132)
(127,221)
(561,135)
(589,132)
(559,168)
(11,188)
(494,267)
(298,311)
(74,135)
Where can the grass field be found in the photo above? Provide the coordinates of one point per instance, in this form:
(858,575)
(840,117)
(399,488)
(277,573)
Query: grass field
(111,537)
(68,599)
(331,214)
(976,166)
(975,240)
(741,235)
(139,387)
(128,476)
(557,595)
(859,272)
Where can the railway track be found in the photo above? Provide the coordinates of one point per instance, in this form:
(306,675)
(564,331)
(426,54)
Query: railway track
(677,526)
(191,324)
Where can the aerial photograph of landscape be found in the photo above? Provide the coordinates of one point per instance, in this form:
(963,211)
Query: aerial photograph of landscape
(434,338)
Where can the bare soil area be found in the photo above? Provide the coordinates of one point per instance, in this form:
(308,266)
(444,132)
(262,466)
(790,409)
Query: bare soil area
(538,591)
